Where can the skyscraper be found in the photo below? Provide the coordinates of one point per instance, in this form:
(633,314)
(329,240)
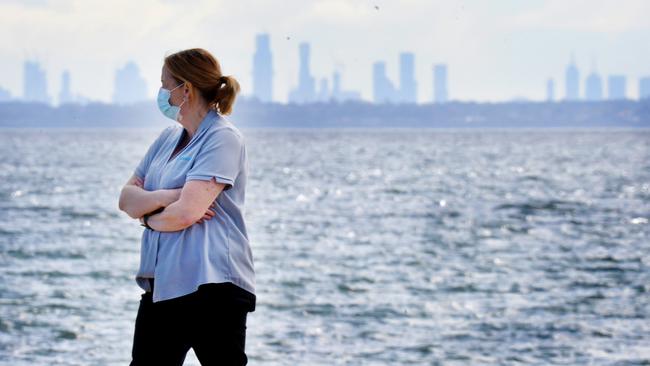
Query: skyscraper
(550,90)
(130,87)
(324,90)
(336,83)
(306,90)
(644,88)
(593,87)
(407,83)
(572,81)
(64,95)
(263,69)
(338,93)
(383,90)
(35,83)
(440,91)
(616,86)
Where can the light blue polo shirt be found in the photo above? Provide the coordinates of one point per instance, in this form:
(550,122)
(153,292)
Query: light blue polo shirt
(216,250)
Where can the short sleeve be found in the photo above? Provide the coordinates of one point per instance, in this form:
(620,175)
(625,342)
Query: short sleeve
(219,157)
(143,166)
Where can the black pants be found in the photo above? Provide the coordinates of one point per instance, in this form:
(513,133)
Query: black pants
(212,321)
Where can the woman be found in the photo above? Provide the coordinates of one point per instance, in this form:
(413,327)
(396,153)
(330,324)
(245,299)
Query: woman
(196,266)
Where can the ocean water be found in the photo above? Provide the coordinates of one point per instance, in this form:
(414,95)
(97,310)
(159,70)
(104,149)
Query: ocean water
(391,247)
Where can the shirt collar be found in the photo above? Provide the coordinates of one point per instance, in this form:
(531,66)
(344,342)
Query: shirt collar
(210,118)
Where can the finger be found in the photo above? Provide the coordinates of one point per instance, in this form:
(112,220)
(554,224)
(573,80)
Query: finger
(210,212)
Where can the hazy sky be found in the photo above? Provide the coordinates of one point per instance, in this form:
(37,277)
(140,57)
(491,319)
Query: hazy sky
(496,50)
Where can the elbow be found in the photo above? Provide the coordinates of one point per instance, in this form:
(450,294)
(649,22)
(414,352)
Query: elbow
(124,207)
(121,206)
(132,214)
(122,203)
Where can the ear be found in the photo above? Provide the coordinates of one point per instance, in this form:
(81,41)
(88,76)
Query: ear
(187,90)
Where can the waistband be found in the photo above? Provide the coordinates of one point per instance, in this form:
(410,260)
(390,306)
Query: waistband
(226,293)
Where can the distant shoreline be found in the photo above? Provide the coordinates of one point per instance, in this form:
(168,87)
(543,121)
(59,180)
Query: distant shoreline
(250,113)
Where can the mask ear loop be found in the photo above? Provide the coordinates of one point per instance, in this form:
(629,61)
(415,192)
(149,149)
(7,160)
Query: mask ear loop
(176,87)
(180,116)
(184,100)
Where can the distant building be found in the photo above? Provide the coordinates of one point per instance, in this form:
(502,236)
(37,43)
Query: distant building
(338,93)
(35,83)
(440,91)
(4,95)
(572,81)
(644,88)
(407,83)
(550,90)
(306,90)
(130,87)
(263,69)
(324,90)
(65,96)
(593,87)
(616,85)
(336,82)
(383,90)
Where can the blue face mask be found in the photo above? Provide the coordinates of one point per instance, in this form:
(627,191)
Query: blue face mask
(170,111)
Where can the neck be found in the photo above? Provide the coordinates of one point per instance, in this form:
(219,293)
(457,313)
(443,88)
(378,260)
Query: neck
(193,120)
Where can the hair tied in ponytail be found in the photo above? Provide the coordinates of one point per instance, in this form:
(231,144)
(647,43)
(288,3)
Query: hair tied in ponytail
(198,67)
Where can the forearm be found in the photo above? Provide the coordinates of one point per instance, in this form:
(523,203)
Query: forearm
(136,201)
(173,218)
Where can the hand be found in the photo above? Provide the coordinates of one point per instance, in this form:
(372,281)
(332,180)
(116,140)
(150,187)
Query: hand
(208,214)
(139,182)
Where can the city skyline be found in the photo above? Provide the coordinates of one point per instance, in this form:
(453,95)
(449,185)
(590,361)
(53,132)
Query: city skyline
(595,88)
(129,86)
(498,52)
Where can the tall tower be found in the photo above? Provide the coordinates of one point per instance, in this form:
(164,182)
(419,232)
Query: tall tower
(440,91)
(323,94)
(306,91)
(593,85)
(550,90)
(572,81)
(65,96)
(35,83)
(263,69)
(336,83)
(383,90)
(130,87)
(407,84)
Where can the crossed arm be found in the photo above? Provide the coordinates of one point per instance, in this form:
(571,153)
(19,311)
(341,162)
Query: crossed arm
(181,207)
